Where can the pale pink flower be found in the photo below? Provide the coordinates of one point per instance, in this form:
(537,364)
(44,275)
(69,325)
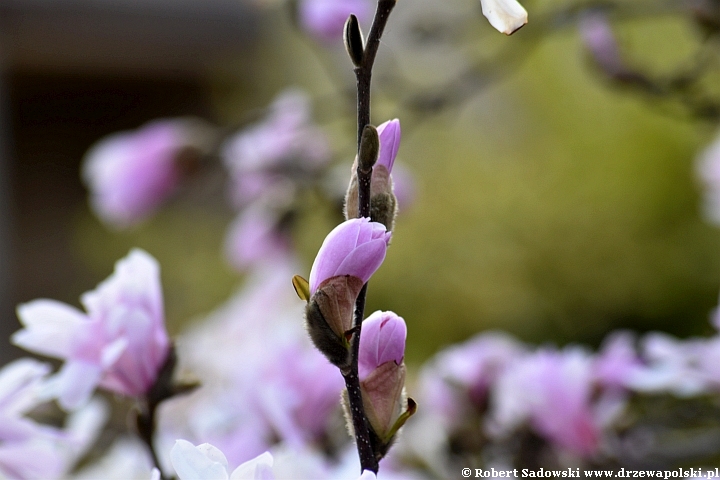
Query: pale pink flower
(32,450)
(130,174)
(457,380)
(285,144)
(669,365)
(552,391)
(617,362)
(256,236)
(262,381)
(119,344)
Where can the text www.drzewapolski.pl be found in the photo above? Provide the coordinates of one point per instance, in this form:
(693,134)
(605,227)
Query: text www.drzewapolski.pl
(579,473)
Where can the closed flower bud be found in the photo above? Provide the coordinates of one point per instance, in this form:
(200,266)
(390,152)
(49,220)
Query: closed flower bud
(383,204)
(348,257)
(382,375)
(356,247)
(382,341)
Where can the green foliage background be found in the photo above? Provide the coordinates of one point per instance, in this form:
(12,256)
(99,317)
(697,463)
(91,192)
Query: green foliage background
(549,204)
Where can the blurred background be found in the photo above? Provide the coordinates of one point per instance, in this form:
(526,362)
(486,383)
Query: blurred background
(549,202)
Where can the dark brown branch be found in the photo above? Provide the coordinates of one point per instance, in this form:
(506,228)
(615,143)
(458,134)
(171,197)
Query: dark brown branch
(363,75)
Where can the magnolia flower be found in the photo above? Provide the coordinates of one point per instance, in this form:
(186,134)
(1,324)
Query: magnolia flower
(325,19)
(356,248)
(32,450)
(268,154)
(205,462)
(130,174)
(506,16)
(671,365)
(458,379)
(552,391)
(253,396)
(119,344)
(617,363)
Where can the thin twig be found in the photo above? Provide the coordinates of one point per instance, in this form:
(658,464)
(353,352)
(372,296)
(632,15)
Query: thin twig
(363,75)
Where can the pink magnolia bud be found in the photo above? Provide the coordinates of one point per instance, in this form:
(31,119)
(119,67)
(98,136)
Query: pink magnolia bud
(347,259)
(382,374)
(356,248)
(389,133)
(383,204)
(120,343)
(382,340)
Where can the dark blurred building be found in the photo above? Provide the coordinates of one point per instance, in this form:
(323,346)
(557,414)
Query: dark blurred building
(72,71)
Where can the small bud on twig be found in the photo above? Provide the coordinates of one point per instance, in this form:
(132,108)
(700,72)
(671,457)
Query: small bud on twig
(354,43)
(369,148)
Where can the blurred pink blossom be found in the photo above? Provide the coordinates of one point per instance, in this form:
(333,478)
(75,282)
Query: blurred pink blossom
(283,145)
(32,450)
(256,236)
(617,362)
(262,381)
(119,344)
(552,391)
(325,19)
(669,365)
(458,379)
(130,174)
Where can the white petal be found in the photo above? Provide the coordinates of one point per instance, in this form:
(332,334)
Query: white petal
(50,327)
(75,382)
(18,378)
(259,468)
(192,463)
(505,15)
